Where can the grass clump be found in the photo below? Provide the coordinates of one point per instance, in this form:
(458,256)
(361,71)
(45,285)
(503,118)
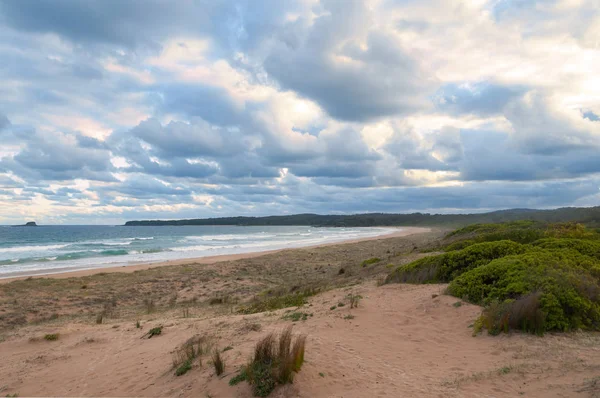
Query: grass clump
(183,368)
(51,337)
(184,356)
(218,362)
(242,376)
(370,261)
(277,302)
(354,299)
(276,358)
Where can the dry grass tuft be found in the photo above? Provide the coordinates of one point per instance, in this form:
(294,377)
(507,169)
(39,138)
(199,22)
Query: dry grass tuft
(276,358)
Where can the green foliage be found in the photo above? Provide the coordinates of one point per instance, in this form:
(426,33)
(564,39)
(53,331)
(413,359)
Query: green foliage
(157,331)
(446,267)
(296,316)
(228,348)
(370,261)
(51,337)
(570,293)
(183,368)
(273,303)
(530,276)
(588,247)
(242,376)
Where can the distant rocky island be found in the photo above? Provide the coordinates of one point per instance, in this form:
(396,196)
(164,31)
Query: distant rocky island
(28,224)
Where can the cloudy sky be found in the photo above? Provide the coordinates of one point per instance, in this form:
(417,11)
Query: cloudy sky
(114,110)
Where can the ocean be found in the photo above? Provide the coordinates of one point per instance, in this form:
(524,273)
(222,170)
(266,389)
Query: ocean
(54,249)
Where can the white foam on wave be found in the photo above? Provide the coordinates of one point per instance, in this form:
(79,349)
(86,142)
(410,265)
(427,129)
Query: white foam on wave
(19,249)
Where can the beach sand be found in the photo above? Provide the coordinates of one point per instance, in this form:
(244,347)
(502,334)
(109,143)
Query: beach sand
(404,231)
(401,341)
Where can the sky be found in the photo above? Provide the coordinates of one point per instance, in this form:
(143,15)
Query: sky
(116,110)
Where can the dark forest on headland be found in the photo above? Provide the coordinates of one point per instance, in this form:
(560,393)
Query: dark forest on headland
(585,215)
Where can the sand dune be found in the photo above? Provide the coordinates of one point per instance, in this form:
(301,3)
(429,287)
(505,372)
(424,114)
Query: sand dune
(401,341)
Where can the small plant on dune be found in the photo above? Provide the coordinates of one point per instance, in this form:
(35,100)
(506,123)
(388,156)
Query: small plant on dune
(218,362)
(370,261)
(227,348)
(457,304)
(333,307)
(149,305)
(183,368)
(100,318)
(184,356)
(349,316)
(186,312)
(138,325)
(296,316)
(354,299)
(276,359)
(157,331)
(51,337)
(242,376)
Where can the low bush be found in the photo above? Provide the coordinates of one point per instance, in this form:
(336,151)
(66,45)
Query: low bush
(569,293)
(445,267)
(51,336)
(530,276)
(588,247)
(276,358)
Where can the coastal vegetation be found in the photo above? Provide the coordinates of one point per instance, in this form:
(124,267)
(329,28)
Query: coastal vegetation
(530,276)
(589,216)
(276,358)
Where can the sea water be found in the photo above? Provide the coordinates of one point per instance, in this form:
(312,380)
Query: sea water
(54,249)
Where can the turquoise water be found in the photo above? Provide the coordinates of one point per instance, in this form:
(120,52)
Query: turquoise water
(53,249)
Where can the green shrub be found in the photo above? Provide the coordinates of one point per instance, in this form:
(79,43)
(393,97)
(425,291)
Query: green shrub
(446,267)
(51,337)
(370,261)
(588,247)
(569,293)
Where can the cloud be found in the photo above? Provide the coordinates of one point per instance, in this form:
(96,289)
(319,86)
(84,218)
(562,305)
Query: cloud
(126,109)
(481,98)
(349,80)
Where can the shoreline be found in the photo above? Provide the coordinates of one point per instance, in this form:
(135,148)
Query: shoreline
(403,231)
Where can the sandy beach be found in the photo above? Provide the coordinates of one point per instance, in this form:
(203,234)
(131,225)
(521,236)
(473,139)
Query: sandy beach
(404,231)
(401,340)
